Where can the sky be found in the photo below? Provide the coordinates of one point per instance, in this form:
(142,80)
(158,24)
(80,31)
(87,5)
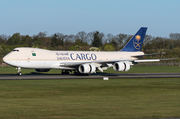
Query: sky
(29,17)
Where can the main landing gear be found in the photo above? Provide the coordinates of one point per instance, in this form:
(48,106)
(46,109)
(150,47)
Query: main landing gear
(65,72)
(19,71)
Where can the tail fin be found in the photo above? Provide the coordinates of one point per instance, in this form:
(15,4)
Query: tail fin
(135,44)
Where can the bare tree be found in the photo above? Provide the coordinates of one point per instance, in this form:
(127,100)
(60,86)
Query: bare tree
(71,37)
(42,34)
(147,42)
(110,37)
(90,37)
(3,38)
(82,36)
(121,38)
(174,36)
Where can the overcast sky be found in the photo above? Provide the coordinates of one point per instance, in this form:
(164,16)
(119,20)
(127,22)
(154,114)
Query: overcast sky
(29,17)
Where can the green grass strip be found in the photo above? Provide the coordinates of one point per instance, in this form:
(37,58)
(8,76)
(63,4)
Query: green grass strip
(134,69)
(90,98)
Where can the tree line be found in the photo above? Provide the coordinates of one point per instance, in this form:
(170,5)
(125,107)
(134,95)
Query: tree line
(96,40)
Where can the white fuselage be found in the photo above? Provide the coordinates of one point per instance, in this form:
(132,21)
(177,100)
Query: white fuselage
(46,59)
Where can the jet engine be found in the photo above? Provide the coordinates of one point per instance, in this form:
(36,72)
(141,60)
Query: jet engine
(87,68)
(42,70)
(121,66)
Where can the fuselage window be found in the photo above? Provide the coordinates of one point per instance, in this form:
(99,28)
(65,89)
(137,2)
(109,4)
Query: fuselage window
(33,54)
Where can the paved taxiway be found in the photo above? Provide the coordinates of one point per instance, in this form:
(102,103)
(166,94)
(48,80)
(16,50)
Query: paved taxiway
(93,76)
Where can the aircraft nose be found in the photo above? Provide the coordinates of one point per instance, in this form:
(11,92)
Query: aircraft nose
(5,59)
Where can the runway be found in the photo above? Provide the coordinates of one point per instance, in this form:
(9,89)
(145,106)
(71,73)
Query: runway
(93,76)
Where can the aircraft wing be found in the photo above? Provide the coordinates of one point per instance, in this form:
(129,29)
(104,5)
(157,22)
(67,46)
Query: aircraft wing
(104,63)
(98,62)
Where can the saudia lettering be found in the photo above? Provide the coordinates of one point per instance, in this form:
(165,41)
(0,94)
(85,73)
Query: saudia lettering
(63,58)
(74,56)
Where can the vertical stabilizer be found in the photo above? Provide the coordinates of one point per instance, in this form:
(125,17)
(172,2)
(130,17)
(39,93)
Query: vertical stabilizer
(136,42)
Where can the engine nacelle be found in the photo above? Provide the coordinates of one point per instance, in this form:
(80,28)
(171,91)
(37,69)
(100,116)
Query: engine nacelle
(121,66)
(42,70)
(87,68)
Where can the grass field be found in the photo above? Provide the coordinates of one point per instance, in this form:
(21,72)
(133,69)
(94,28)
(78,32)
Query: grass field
(90,98)
(134,69)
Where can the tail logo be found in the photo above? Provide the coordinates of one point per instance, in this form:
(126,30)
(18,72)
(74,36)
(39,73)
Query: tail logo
(136,42)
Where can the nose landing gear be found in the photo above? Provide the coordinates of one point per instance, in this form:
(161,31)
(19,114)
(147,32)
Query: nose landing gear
(19,71)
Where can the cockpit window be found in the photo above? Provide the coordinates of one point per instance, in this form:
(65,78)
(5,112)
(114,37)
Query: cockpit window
(15,50)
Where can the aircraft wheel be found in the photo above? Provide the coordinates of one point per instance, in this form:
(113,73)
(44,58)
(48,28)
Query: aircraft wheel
(19,74)
(65,72)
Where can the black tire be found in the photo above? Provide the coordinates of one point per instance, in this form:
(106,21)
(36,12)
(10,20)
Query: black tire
(19,74)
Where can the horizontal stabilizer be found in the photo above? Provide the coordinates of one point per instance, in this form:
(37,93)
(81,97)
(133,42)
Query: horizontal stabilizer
(140,56)
(154,60)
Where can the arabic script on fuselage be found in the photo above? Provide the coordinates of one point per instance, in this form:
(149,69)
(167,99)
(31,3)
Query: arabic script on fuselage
(75,56)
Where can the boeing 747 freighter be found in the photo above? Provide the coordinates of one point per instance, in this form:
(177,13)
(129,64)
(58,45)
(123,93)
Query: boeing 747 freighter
(84,62)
